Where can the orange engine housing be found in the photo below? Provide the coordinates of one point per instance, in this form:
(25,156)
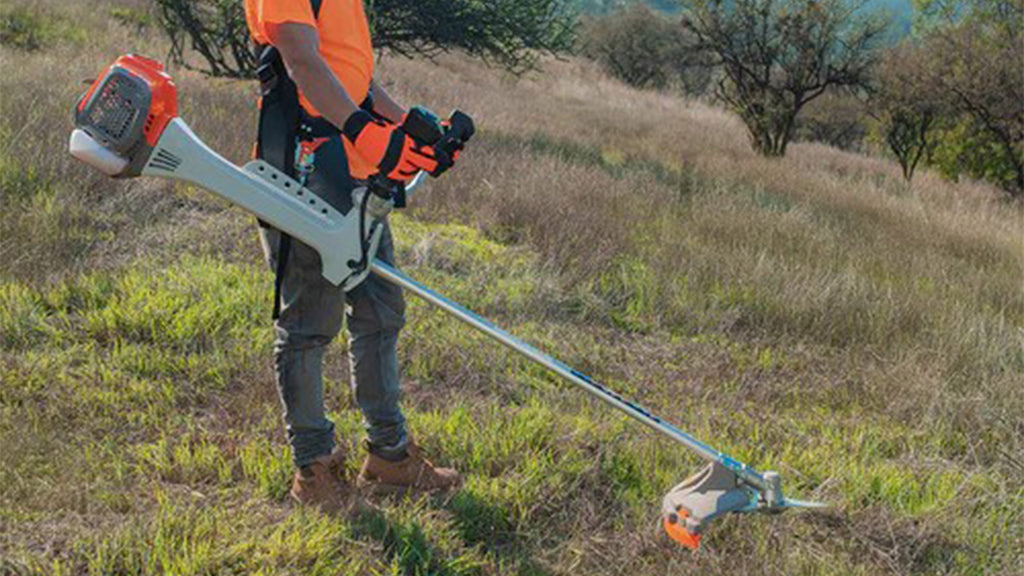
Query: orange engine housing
(163,94)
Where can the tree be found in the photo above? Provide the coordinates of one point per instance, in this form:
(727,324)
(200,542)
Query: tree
(775,56)
(977,65)
(931,15)
(214,29)
(906,104)
(837,118)
(643,49)
(510,33)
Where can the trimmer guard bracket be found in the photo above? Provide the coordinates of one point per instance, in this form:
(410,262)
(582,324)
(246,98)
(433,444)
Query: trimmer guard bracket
(694,503)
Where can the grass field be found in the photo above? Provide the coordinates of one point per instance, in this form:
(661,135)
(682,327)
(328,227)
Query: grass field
(813,315)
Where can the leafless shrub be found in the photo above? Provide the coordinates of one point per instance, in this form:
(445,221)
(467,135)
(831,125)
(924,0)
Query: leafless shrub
(644,49)
(837,118)
(776,56)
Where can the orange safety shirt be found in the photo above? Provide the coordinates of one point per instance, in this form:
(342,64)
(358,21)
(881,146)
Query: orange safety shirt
(344,45)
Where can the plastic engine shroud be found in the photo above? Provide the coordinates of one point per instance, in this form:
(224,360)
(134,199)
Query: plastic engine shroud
(127,109)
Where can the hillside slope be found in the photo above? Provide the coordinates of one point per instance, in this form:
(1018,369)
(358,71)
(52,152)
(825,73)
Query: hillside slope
(813,315)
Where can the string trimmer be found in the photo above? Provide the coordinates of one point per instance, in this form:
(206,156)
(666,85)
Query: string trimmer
(127,125)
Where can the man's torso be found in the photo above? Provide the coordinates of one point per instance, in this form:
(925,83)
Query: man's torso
(345,44)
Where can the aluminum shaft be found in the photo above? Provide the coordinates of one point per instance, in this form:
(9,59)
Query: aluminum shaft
(393,275)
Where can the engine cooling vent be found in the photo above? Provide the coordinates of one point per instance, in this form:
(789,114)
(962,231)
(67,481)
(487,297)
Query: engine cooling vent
(117,112)
(164,160)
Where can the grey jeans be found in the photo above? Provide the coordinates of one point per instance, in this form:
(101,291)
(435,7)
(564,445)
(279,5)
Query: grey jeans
(311,316)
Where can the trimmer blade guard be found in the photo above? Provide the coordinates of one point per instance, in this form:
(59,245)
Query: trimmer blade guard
(692,505)
(119,120)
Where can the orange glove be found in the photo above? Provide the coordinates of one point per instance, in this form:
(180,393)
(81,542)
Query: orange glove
(398,155)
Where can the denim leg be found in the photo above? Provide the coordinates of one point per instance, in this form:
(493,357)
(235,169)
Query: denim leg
(311,312)
(375,315)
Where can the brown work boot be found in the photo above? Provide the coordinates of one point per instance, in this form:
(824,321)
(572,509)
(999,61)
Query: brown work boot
(322,484)
(380,476)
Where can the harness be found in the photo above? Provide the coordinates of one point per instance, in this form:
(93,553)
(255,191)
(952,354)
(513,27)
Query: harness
(280,118)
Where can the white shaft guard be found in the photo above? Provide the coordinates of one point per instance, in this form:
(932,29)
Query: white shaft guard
(273,197)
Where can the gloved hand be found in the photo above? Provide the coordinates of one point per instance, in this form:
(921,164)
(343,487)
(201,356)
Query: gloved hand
(446,138)
(394,150)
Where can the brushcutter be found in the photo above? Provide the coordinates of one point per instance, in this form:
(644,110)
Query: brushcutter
(127,125)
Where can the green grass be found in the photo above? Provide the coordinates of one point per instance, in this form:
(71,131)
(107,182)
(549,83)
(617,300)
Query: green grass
(29,29)
(129,366)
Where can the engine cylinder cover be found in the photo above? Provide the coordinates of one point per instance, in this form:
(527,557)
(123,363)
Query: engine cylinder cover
(127,108)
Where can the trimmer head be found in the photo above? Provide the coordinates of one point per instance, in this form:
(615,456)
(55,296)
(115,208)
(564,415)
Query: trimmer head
(692,505)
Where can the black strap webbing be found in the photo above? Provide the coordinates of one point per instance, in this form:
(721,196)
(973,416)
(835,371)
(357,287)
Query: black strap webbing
(278,129)
(284,248)
(277,132)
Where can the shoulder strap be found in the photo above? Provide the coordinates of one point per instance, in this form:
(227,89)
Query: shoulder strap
(288,93)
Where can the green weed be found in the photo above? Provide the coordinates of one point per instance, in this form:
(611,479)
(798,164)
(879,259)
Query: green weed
(29,29)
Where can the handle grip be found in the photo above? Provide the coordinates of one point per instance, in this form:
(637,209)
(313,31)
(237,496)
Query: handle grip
(460,129)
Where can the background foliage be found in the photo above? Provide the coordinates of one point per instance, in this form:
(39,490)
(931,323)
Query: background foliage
(946,93)
(511,33)
(645,49)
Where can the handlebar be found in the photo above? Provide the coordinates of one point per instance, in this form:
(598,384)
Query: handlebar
(459,129)
(416,182)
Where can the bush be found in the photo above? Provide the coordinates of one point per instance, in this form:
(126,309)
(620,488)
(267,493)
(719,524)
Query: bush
(510,33)
(137,19)
(23,29)
(643,49)
(215,29)
(968,148)
(35,28)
